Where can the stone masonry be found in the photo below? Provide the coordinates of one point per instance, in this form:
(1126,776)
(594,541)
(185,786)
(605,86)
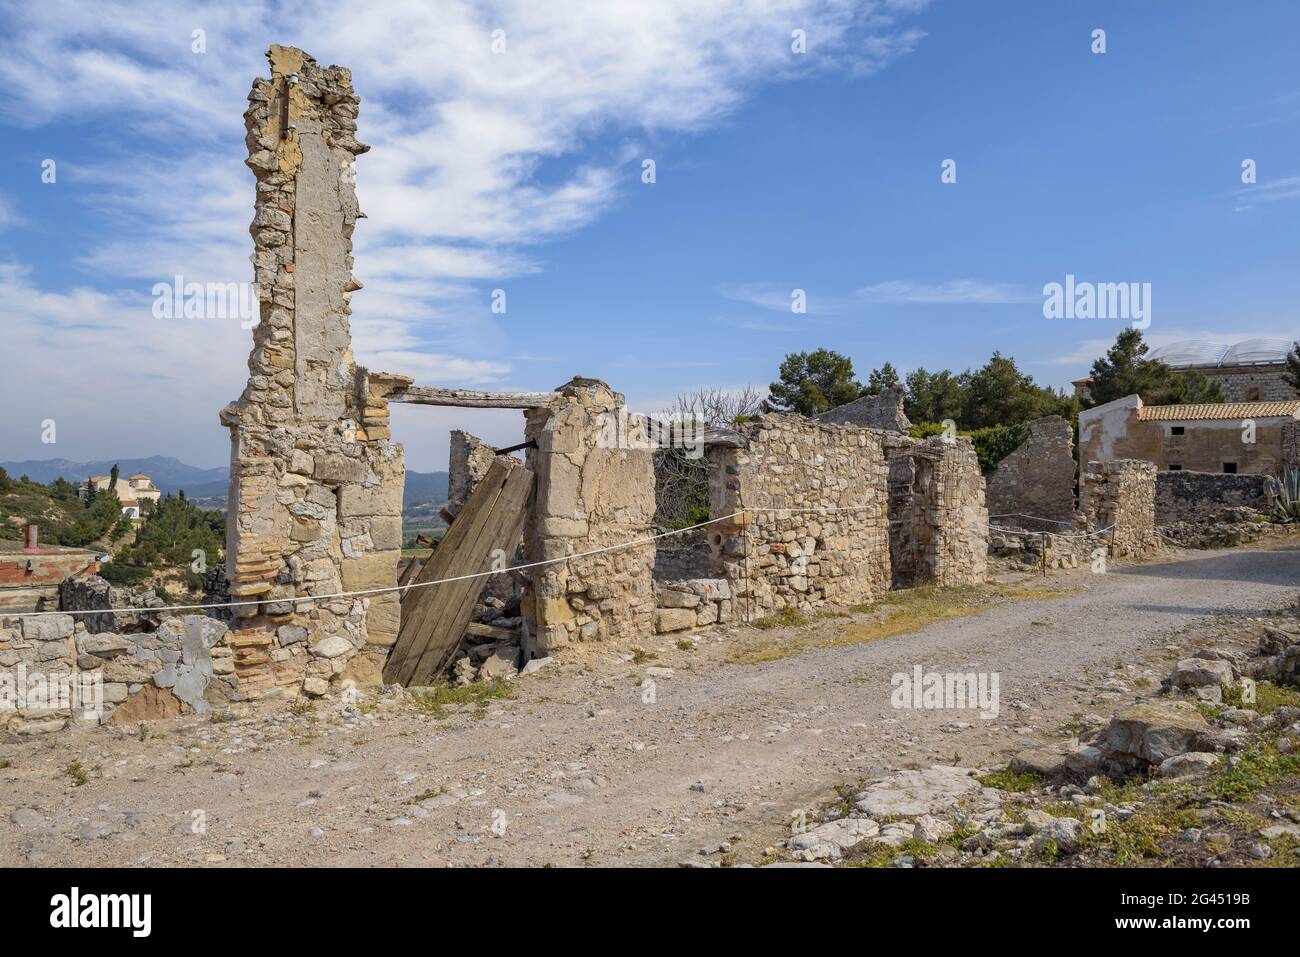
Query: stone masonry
(467,464)
(54,670)
(938,524)
(595,488)
(1037,479)
(800,558)
(1208,497)
(316,483)
(1119,497)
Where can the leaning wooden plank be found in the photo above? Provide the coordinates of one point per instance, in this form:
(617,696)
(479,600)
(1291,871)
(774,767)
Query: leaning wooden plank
(506,522)
(418,603)
(434,618)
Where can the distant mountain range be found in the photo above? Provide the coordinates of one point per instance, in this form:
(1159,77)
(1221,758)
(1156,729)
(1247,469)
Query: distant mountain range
(172,476)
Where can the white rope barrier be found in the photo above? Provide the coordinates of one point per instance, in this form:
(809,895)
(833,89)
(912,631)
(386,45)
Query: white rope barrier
(500,571)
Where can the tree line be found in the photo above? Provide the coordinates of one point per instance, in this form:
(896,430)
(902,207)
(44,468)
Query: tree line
(994,395)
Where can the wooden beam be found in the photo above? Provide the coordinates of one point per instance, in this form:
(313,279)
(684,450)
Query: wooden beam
(480,630)
(472,398)
(435,619)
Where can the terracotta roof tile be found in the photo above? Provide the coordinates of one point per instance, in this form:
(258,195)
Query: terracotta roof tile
(1220,410)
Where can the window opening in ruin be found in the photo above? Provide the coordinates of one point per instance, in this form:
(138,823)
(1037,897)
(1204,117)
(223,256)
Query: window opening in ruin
(1176,430)
(1175,468)
(1230,468)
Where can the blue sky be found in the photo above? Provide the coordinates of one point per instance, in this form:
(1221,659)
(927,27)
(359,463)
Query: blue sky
(522,171)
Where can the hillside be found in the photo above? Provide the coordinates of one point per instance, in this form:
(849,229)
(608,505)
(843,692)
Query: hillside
(168,474)
(23,502)
(425,492)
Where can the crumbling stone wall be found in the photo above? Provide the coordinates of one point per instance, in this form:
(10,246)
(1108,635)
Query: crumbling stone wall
(595,488)
(176,667)
(1208,497)
(692,603)
(881,411)
(800,558)
(316,483)
(1037,479)
(938,523)
(467,464)
(1119,496)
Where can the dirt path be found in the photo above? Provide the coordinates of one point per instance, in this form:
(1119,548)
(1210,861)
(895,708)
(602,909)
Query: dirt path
(578,768)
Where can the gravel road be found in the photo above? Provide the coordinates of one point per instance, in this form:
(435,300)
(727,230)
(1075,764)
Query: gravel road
(578,769)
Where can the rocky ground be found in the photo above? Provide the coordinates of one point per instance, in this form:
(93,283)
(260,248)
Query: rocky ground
(1203,771)
(706,749)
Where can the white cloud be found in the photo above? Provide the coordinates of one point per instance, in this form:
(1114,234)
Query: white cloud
(951,292)
(1287,187)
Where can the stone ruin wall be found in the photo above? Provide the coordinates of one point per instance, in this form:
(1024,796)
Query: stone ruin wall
(1208,497)
(1121,493)
(1036,481)
(938,522)
(316,483)
(595,488)
(800,559)
(467,464)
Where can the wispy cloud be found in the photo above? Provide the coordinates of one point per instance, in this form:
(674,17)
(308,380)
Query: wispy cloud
(949,292)
(1274,191)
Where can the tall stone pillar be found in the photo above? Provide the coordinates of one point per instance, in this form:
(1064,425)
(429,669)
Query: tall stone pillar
(595,488)
(315,482)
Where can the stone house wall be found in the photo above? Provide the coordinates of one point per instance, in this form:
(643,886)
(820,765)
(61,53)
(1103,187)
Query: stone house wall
(1119,430)
(800,558)
(316,483)
(1120,496)
(1037,479)
(938,523)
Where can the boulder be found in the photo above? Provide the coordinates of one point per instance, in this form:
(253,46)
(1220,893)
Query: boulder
(832,839)
(1064,832)
(1199,672)
(1193,762)
(1049,764)
(1152,732)
(913,793)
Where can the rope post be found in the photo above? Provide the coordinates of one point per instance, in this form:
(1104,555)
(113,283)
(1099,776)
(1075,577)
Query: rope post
(1043,538)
